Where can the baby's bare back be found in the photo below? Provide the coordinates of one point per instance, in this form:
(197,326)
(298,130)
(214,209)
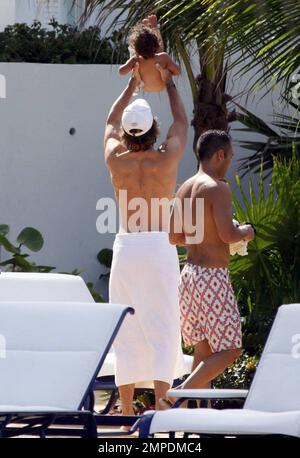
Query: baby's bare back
(150,75)
(212,251)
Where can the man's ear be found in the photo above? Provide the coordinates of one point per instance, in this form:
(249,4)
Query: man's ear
(220,154)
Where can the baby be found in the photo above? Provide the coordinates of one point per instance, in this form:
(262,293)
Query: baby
(146,46)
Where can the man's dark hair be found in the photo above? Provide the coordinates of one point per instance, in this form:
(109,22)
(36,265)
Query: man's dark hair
(141,142)
(144,41)
(210,141)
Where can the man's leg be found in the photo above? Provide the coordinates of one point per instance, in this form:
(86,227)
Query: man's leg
(161,389)
(202,351)
(210,368)
(126,393)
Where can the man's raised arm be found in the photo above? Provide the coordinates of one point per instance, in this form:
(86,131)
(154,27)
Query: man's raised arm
(112,140)
(177,135)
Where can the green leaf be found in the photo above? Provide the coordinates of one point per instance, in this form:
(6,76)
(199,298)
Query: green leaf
(31,238)
(181,251)
(105,257)
(4,229)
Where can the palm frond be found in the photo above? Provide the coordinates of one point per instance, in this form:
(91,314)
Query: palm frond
(277,144)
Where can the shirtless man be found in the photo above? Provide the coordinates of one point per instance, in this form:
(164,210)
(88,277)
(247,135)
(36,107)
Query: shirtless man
(210,318)
(145,270)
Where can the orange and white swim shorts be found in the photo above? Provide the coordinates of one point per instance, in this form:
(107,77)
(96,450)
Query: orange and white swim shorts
(208,309)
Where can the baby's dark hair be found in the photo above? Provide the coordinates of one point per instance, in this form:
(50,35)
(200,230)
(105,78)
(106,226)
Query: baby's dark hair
(144,41)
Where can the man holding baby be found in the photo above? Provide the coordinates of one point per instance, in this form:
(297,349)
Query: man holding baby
(145,270)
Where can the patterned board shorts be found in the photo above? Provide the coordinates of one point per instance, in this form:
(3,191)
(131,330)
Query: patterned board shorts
(208,309)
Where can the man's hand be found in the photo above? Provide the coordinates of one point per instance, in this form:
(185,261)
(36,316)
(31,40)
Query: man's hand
(136,77)
(248,230)
(165,74)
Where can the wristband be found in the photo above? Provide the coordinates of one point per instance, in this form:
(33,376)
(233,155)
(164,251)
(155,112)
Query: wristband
(171,84)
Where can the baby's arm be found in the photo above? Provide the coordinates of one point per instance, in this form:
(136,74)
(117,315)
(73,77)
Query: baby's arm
(172,67)
(128,66)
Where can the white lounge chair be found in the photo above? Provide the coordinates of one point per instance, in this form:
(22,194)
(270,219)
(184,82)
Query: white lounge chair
(35,286)
(53,287)
(50,355)
(272,405)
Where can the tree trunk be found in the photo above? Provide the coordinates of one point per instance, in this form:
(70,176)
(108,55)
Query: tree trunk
(210,110)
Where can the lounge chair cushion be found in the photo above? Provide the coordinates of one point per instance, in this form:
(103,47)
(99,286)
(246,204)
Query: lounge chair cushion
(51,350)
(227,421)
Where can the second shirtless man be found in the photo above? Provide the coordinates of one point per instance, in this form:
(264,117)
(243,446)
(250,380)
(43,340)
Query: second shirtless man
(210,318)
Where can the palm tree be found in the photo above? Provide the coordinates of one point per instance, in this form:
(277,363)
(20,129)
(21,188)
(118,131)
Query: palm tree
(262,34)
(265,33)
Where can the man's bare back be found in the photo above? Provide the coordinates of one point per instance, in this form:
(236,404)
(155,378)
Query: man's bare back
(213,251)
(147,175)
(219,230)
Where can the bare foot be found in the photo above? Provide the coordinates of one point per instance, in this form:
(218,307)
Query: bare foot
(150,21)
(165,404)
(125,428)
(168,401)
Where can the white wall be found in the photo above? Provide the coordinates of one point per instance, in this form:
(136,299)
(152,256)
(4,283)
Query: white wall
(7,13)
(52,180)
(43,10)
(12,11)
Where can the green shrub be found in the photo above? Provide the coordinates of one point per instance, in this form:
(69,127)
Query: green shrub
(18,261)
(237,376)
(240,374)
(269,275)
(63,44)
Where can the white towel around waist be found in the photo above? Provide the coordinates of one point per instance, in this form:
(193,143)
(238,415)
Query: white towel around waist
(144,275)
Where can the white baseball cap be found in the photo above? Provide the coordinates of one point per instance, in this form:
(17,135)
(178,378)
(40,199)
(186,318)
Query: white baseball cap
(137,115)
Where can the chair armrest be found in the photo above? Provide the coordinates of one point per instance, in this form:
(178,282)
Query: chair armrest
(208,394)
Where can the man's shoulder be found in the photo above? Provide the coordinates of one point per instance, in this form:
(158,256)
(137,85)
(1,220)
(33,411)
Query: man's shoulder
(217,190)
(115,156)
(185,188)
(215,186)
(208,187)
(170,146)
